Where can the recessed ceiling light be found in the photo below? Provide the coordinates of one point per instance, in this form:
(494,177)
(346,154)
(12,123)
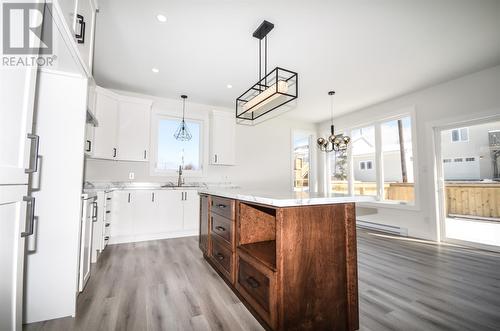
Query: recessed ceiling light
(161,18)
(229,86)
(155,70)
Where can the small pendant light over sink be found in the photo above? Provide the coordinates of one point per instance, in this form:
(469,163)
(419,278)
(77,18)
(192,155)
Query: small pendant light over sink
(335,142)
(182,132)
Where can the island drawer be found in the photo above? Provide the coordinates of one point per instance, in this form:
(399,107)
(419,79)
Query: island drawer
(222,227)
(223,207)
(222,257)
(257,285)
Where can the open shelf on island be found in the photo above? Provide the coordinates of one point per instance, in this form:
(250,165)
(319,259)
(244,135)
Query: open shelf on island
(263,251)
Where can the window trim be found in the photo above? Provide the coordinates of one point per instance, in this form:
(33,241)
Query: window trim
(176,115)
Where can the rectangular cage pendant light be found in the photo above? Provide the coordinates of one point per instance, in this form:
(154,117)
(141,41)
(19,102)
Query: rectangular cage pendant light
(275,89)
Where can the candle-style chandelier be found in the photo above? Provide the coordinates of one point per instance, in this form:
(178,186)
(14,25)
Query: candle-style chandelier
(335,142)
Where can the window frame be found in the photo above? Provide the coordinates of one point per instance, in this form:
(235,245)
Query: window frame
(203,149)
(378,162)
(460,138)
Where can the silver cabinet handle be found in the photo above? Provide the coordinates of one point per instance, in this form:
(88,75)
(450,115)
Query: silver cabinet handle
(94,214)
(31,202)
(145,154)
(153,197)
(185,195)
(33,167)
(129,198)
(114,152)
(215,158)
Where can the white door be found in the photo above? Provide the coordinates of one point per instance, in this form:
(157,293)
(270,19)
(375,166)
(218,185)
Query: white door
(133,131)
(170,210)
(12,225)
(17,90)
(122,214)
(223,136)
(105,134)
(86,244)
(142,213)
(191,211)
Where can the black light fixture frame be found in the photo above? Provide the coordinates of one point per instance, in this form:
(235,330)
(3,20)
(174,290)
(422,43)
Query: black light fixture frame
(264,83)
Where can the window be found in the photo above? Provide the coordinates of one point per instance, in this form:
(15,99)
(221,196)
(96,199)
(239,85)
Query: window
(397,159)
(338,172)
(301,161)
(363,148)
(171,153)
(447,161)
(460,135)
(470,159)
(458,159)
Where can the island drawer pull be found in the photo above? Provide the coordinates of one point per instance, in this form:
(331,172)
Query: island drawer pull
(253,282)
(219,256)
(220,228)
(220,205)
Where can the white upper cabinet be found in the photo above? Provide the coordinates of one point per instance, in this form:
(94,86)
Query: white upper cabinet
(105,135)
(133,130)
(84,30)
(123,131)
(17,94)
(222,138)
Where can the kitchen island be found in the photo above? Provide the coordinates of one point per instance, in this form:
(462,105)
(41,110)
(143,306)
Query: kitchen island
(289,256)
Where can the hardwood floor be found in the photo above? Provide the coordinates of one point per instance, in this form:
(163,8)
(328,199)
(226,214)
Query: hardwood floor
(403,285)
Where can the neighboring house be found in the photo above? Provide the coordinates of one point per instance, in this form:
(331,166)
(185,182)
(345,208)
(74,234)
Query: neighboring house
(363,161)
(466,152)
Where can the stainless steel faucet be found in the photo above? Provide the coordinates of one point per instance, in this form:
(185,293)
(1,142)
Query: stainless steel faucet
(180,180)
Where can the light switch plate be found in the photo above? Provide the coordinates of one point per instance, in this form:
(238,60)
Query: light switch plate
(131,175)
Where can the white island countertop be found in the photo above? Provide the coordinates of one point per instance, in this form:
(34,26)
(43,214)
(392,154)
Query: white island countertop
(284,198)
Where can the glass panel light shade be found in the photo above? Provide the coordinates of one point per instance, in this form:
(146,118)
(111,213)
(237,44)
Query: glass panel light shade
(276,89)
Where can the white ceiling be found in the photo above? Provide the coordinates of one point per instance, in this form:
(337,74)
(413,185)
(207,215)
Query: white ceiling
(368,51)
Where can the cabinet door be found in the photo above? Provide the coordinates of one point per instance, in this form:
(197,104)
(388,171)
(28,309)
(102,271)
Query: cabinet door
(105,134)
(85,244)
(86,13)
(89,139)
(222,142)
(17,91)
(122,214)
(12,224)
(142,213)
(133,131)
(170,211)
(204,224)
(191,211)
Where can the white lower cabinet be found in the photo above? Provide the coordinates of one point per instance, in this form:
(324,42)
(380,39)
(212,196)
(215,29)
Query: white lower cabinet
(12,246)
(154,214)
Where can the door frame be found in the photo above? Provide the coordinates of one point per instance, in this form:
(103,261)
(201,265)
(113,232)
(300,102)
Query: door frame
(437,128)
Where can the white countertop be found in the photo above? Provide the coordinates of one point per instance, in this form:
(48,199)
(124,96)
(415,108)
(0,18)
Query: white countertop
(113,186)
(284,198)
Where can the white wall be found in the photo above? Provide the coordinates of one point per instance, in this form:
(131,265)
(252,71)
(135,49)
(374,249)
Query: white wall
(466,98)
(263,154)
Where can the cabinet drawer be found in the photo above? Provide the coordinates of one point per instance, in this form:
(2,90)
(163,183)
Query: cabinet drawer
(223,207)
(222,227)
(255,283)
(222,257)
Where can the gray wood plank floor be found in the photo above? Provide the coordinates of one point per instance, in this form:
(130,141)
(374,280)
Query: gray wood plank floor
(403,284)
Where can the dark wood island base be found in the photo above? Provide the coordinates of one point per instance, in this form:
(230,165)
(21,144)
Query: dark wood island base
(295,268)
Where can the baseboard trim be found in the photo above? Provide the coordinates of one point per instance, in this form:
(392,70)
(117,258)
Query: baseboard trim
(149,237)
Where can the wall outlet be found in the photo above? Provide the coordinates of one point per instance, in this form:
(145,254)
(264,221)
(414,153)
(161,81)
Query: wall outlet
(131,175)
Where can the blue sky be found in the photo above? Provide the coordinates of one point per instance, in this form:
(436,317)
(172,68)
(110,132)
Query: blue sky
(171,151)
